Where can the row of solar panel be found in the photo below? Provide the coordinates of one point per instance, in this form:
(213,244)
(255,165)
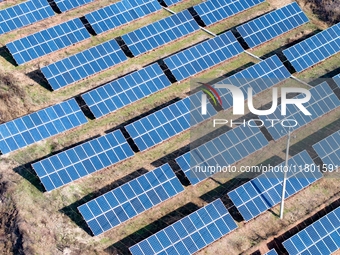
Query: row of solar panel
(32,11)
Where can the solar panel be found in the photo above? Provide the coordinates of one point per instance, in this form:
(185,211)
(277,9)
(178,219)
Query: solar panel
(120,13)
(224,150)
(271,252)
(126,90)
(160,32)
(37,126)
(83,64)
(322,101)
(169,121)
(314,49)
(66,5)
(273,24)
(131,199)
(328,150)
(203,56)
(259,77)
(191,233)
(213,11)
(87,158)
(264,192)
(321,237)
(47,41)
(337,79)
(24,14)
(170,2)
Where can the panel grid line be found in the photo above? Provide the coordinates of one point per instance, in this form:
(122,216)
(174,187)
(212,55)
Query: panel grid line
(328,150)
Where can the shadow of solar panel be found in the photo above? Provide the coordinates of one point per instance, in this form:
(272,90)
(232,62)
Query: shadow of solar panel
(222,151)
(126,90)
(83,64)
(120,13)
(24,14)
(191,233)
(314,49)
(160,32)
(47,41)
(264,192)
(337,79)
(321,237)
(273,24)
(32,128)
(259,77)
(171,2)
(203,56)
(322,101)
(82,160)
(213,11)
(271,252)
(66,5)
(168,122)
(328,150)
(131,199)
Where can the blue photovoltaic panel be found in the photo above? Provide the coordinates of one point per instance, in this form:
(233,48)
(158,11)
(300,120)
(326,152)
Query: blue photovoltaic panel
(170,2)
(65,5)
(224,150)
(203,56)
(337,79)
(322,101)
(82,160)
(126,90)
(83,64)
(259,77)
(213,11)
(314,49)
(130,199)
(47,41)
(322,237)
(190,234)
(40,125)
(120,13)
(160,32)
(24,14)
(328,150)
(273,24)
(264,192)
(169,121)
(271,252)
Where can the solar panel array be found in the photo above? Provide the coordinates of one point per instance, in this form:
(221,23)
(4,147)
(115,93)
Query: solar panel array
(191,233)
(213,11)
(47,41)
(224,150)
(203,56)
(328,150)
(263,192)
(337,79)
(120,13)
(37,126)
(66,5)
(130,199)
(126,90)
(273,24)
(168,122)
(321,237)
(322,101)
(271,252)
(160,32)
(24,14)
(259,77)
(314,49)
(82,160)
(170,2)
(83,64)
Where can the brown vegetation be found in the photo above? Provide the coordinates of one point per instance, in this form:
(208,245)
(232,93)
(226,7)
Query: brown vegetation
(326,10)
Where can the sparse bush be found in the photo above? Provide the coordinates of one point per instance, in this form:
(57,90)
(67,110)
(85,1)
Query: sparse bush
(327,10)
